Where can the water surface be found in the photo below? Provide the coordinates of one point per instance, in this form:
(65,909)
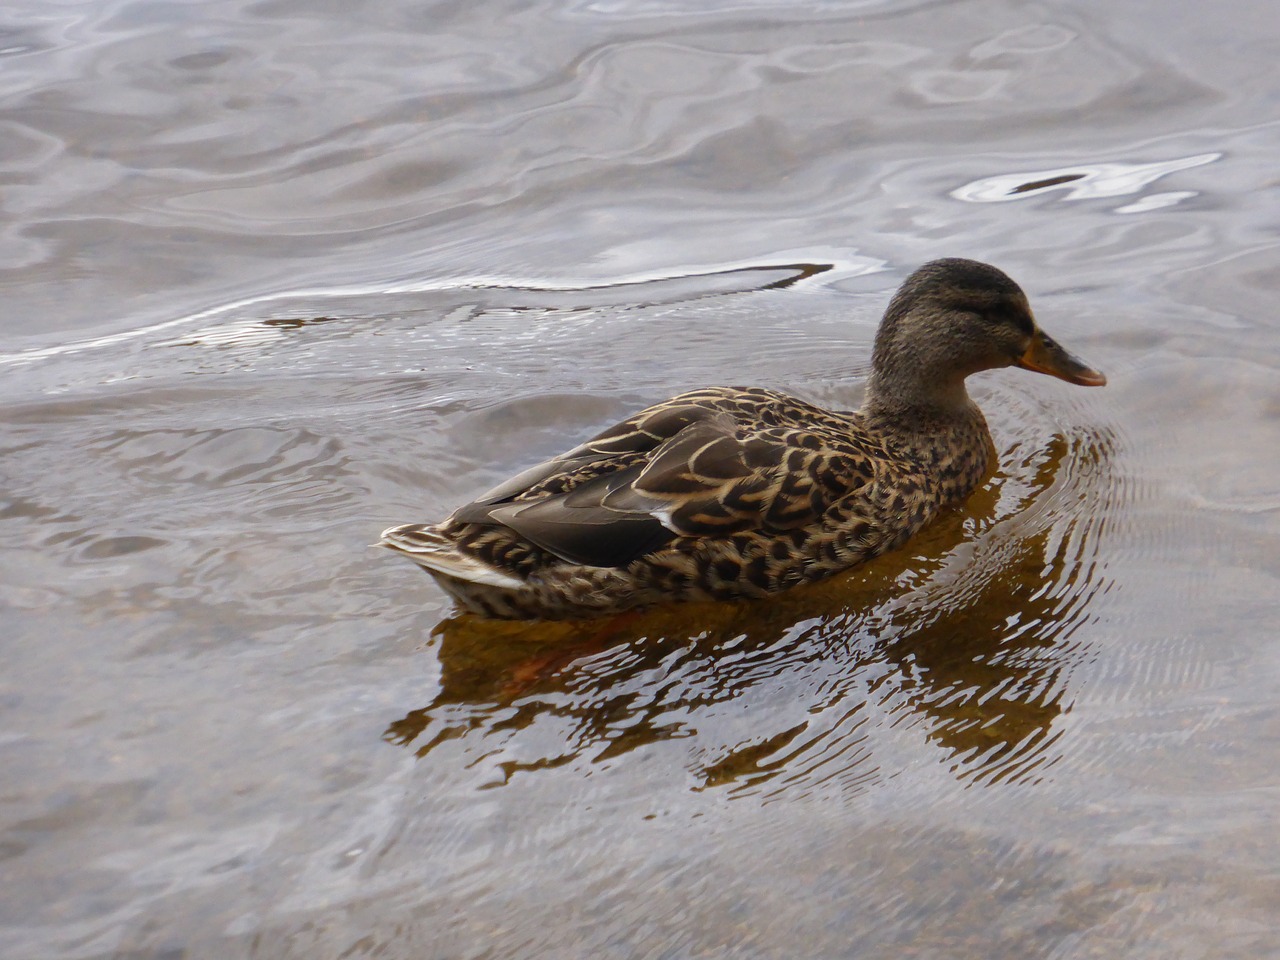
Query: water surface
(278,275)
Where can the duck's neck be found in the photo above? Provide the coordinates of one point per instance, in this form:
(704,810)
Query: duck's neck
(915,407)
(939,427)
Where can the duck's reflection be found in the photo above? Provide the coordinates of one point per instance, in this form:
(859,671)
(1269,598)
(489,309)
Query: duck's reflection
(964,638)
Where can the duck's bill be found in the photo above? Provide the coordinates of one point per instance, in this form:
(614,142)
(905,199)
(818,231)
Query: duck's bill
(1046,356)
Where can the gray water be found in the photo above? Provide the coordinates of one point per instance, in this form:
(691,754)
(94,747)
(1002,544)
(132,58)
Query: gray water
(279,274)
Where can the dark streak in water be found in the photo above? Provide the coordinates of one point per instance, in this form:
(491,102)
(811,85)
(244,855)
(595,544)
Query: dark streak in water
(294,323)
(233,330)
(629,293)
(1043,184)
(795,273)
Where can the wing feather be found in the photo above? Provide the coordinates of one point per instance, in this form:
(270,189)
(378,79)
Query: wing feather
(696,466)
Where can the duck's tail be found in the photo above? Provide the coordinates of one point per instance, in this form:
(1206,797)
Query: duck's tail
(436,553)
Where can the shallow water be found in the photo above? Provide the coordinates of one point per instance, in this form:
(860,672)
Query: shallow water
(277,275)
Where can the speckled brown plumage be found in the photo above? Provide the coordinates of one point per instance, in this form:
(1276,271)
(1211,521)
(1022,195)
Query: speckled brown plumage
(739,492)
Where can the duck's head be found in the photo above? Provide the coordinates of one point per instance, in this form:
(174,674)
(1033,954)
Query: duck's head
(952,318)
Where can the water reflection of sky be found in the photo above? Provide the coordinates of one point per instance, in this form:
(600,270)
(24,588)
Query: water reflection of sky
(277,275)
(1088,182)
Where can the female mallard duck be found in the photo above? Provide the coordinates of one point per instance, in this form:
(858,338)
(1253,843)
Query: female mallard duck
(733,492)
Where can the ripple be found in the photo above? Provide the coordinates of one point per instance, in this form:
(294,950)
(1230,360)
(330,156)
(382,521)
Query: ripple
(258,320)
(1046,728)
(1038,38)
(682,8)
(1088,182)
(106,547)
(964,642)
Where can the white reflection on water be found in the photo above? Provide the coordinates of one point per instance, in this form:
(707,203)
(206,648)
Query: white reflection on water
(261,319)
(1090,181)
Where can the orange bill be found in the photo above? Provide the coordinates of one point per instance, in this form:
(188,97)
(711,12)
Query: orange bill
(1045,355)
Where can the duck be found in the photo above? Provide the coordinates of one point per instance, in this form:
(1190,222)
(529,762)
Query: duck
(738,493)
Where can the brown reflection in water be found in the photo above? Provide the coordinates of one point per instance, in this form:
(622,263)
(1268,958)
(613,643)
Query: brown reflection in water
(986,675)
(965,635)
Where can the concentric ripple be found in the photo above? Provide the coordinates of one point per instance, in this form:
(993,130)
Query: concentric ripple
(959,647)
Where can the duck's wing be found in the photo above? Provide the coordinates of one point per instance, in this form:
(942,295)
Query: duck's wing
(680,469)
(617,448)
